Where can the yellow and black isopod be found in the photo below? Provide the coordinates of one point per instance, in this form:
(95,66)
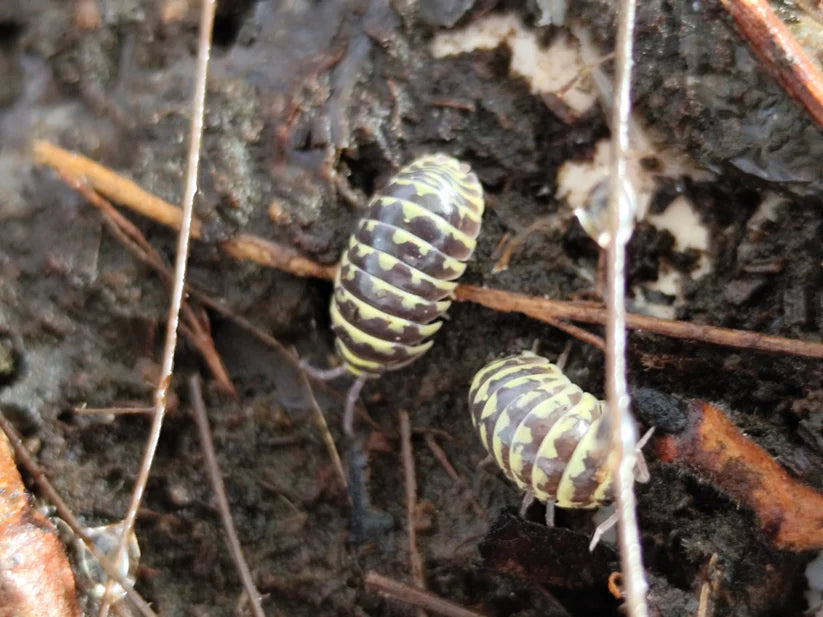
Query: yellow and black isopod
(548,436)
(546,433)
(401,265)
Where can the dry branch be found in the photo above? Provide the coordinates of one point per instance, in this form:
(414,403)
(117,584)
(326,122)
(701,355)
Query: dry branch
(376,583)
(542,308)
(207,9)
(623,433)
(416,561)
(218,488)
(780,52)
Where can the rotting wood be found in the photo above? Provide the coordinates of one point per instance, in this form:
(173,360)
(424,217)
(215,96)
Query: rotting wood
(35,577)
(708,444)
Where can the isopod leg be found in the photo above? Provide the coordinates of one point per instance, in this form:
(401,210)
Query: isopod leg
(351,402)
(564,356)
(549,514)
(528,500)
(641,469)
(323,374)
(603,528)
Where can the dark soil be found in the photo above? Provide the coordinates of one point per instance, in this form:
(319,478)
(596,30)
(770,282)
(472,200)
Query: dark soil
(308,101)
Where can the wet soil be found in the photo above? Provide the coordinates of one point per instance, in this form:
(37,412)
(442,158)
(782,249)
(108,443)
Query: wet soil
(311,107)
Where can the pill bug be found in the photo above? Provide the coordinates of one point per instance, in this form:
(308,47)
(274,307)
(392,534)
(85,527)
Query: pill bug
(547,434)
(401,264)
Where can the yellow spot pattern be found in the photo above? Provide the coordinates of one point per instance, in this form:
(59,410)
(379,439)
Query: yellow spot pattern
(413,211)
(387,263)
(383,290)
(393,323)
(377,345)
(569,413)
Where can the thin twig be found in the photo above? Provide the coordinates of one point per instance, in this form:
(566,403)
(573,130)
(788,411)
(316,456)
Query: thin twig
(23,458)
(783,56)
(181,257)
(285,258)
(377,583)
(128,193)
(207,445)
(543,308)
(623,432)
(415,561)
(578,333)
(114,411)
(131,237)
(441,457)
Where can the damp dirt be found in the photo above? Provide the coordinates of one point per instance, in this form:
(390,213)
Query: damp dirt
(310,108)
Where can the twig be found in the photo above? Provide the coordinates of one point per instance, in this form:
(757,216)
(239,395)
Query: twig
(320,423)
(190,188)
(577,332)
(542,308)
(133,239)
(126,192)
(64,512)
(708,587)
(377,583)
(207,445)
(441,457)
(785,59)
(284,258)
(114,411)
(623,432)
(415,561)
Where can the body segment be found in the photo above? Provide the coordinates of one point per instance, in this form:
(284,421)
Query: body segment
(546,434)
(398,271)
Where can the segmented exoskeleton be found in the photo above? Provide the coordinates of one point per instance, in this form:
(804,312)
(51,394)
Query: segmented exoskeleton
(543,431)
(401,264)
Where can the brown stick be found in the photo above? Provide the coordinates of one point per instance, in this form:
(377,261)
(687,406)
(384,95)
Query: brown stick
(790,512)
(218,488)
(122,190)
(783,56)
(133,239)
(577,332)
(415,561)
(285,258)
(540,308)
(377,583)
